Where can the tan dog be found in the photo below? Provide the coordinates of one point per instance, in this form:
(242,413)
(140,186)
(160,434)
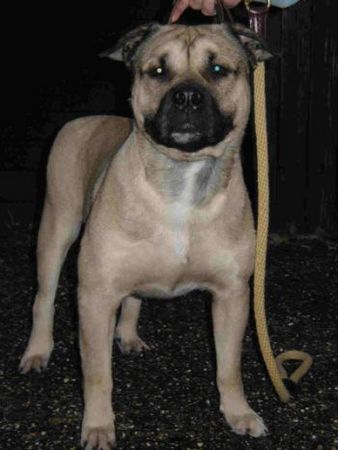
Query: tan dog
(167,210)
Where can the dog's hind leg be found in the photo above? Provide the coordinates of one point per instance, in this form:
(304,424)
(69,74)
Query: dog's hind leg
(58,230)
(126,335)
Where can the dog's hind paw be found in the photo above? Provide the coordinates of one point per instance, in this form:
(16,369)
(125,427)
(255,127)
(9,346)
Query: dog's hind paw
(131,345)
(100,438)
(37,363)
(247,424)
(36,357)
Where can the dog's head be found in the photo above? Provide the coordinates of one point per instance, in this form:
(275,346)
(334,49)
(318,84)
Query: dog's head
(190,90)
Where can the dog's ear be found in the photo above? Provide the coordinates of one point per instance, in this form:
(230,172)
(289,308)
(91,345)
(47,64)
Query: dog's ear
(128,45)
(254,46)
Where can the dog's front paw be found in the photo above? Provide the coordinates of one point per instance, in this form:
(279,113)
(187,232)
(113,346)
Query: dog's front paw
(249,423)
(130,345)
(102,438)
(36,357)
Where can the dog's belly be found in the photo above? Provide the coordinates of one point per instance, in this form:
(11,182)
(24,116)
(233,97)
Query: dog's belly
(166,292)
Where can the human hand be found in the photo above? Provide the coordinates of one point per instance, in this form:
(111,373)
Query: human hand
(206,6)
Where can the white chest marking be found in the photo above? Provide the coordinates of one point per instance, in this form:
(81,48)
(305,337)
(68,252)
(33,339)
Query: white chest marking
(181,206)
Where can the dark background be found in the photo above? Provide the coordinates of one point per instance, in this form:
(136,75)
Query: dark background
(51,73)
(167,398)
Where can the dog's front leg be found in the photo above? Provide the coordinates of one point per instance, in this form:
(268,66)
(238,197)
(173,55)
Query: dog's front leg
(97,313)
(230,313)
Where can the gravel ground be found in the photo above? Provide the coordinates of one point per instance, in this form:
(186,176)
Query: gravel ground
(167,398)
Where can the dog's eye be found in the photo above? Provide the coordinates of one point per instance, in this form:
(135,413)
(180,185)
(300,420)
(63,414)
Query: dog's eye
(218,70)
(158,72)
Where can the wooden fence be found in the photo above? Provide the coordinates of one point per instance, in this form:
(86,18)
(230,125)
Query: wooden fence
(303,116)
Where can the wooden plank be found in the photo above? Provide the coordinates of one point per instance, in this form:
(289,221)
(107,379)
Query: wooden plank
(294,117)
(321,192)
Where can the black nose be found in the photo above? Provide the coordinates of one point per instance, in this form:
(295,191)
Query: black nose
(188,97)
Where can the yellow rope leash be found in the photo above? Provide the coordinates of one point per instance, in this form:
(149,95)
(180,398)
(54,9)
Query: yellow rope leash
(274,365)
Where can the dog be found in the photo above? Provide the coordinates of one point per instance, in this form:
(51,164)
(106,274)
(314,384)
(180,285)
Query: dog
(165,206)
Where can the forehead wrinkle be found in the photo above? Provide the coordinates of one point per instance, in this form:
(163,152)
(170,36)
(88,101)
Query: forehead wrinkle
(185,39)
(189,37)
(185,36)
(162,38)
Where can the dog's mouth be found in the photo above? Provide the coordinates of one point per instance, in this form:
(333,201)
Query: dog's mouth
(185,137)
(185,133)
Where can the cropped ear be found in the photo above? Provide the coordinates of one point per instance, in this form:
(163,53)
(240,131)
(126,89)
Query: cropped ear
(254,46)
(126,48)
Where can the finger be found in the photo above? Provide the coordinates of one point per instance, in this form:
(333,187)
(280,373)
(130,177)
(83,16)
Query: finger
(208,7)
(179,8)
(196,4)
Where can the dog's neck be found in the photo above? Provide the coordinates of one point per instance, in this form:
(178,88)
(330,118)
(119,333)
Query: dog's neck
(188,182)
(180,191)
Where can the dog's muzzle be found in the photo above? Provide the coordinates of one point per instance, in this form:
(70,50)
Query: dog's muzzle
(188,119)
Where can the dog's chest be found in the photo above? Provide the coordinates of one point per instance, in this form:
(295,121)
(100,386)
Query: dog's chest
(187,187)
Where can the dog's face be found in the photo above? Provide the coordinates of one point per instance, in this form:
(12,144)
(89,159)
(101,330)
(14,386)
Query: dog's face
(190,90)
